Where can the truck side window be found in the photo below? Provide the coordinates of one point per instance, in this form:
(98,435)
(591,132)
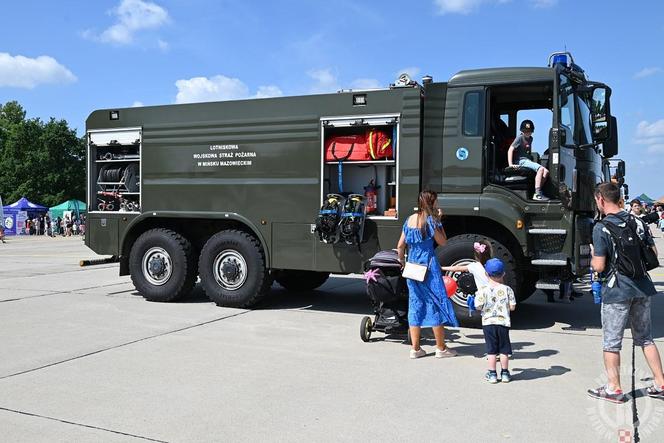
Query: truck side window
(472,114)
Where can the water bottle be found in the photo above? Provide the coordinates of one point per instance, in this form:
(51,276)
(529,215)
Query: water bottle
(596,286)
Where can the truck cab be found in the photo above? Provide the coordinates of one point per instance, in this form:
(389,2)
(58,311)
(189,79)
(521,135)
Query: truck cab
(548,241)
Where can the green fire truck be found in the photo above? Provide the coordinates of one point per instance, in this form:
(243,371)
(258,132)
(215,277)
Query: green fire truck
(231,192)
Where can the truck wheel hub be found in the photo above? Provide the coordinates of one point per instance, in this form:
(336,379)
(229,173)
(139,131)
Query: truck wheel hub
(230,269)
(157,266)
(459,297)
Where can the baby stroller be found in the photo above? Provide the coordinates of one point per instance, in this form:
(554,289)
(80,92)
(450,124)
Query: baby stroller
(388,292)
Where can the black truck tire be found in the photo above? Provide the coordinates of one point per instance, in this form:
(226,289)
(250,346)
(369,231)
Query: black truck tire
(162,265)
(232,269)
(459,251)
(299,281)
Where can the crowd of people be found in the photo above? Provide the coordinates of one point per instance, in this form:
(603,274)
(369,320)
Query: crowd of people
(625,290)
(65,227)
(652,213)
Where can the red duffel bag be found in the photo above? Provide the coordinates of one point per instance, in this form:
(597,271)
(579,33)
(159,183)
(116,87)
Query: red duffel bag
(346,148)
(380,145)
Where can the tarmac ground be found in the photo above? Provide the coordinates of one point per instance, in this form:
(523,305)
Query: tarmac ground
(84,358)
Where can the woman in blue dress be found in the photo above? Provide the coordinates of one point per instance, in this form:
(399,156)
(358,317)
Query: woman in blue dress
(428,305)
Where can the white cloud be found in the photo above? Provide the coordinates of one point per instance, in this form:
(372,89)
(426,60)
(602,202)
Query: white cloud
(647,72)
(457,6)
(463,6)
(164,46)
(412,71)
(132,16)
(268,91)
(24,72)
(325,81)
(218,88)
(366,83)
(651,135)
(543,4)
(137,104)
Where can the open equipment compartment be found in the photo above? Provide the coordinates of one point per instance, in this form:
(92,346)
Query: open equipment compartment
(374,142)
(115,168)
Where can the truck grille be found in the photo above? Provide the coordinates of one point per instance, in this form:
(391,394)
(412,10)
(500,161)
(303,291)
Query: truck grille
(549,243)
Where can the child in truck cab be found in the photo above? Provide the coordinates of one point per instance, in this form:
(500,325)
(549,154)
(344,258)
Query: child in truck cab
(522,145)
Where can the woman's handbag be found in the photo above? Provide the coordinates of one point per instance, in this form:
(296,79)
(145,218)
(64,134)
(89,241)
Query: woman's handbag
(413,271)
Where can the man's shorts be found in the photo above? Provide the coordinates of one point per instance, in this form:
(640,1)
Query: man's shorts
(527,163)
(615,317)
(497,339)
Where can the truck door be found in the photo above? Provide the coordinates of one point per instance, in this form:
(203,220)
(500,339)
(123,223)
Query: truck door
(463,140)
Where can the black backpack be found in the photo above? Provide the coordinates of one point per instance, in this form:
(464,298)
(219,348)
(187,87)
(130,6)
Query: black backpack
(634,258)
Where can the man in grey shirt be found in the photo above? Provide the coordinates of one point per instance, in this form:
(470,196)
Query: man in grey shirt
(624,299)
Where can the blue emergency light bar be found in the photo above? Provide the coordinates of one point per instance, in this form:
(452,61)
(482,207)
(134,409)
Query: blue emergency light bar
(561,58)
(566,60)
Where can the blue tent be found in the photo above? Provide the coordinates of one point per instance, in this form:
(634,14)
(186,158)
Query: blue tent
(11,214)
(24,205)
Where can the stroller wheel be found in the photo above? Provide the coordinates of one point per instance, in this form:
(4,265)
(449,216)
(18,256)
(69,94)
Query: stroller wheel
(365,329)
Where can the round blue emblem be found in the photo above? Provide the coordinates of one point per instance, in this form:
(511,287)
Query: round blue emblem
(462,154)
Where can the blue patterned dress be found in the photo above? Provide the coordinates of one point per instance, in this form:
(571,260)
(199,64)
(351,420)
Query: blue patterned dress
(428,304)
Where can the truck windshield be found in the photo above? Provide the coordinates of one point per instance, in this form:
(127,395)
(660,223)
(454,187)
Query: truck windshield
(585,135)
(574,114)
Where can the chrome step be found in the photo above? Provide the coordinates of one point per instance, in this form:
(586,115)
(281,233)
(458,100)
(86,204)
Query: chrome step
(548,284)
(547,231)
(550,259)
(548,262)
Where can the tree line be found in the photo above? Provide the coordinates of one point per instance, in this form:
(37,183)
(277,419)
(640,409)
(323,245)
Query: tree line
(42,161)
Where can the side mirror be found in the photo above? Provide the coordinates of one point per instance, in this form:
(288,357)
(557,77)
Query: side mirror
(620,170)
(600,115)
(610,145)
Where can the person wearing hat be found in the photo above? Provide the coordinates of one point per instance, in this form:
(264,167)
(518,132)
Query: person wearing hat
(522,146)
(496,301)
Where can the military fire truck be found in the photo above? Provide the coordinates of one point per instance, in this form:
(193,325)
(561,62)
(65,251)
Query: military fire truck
(231,192)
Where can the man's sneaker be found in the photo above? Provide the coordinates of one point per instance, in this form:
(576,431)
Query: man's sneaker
(603,393)
(491,377)
(505,376)
(444,353)
(540,197)
(417,354)
(653,392)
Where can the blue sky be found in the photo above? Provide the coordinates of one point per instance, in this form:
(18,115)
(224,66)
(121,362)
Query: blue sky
(64,59)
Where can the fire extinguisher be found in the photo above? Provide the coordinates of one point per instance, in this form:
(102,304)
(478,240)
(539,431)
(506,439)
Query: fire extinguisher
(370,195)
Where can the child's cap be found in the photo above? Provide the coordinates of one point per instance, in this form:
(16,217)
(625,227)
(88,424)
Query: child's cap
(527,125)
(494,267)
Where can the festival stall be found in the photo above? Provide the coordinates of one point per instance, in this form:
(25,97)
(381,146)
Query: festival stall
(73,207)
(17,213)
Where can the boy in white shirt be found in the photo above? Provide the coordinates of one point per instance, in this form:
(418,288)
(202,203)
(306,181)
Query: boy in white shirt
(496,301)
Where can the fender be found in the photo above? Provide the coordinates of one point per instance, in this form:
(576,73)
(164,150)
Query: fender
(146,217)
(505,211)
